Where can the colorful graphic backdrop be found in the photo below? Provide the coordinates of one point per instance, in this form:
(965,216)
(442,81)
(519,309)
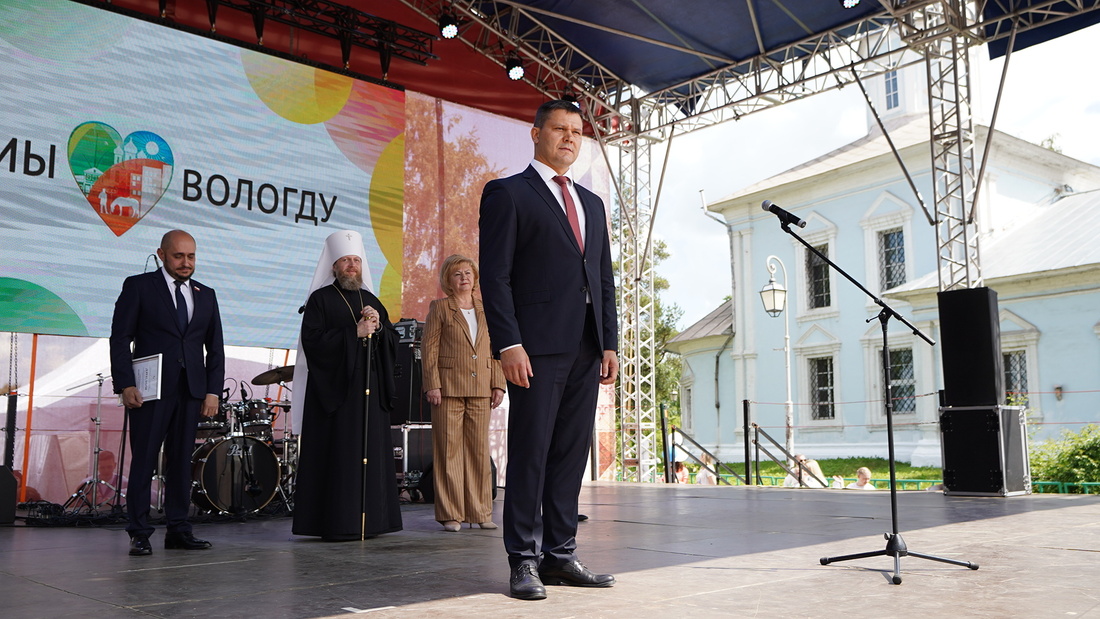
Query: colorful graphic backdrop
(116,131)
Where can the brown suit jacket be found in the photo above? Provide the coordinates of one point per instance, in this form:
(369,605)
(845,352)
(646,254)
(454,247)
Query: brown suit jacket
(451,362)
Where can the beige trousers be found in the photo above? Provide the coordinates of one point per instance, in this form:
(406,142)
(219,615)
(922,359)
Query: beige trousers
(460,456)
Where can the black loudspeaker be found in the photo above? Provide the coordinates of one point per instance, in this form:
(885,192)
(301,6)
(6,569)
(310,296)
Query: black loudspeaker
(8,489)
(411,404)
(985,451)
(970,346)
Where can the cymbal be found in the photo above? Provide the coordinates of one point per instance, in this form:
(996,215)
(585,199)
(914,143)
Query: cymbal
(277,375)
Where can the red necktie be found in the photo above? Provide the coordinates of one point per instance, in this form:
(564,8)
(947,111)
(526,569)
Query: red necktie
(570,209)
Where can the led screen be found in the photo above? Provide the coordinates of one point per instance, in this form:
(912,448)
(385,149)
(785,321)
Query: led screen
(114,131)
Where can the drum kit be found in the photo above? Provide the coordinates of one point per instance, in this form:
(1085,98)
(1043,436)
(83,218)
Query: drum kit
(240,466)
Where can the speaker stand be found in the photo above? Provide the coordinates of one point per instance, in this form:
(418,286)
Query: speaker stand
(895,545)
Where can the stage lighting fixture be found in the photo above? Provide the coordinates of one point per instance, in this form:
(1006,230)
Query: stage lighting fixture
(849,4)
(514,67)
(448,26)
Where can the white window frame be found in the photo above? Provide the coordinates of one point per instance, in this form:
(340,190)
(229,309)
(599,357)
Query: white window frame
(824,345)
(924,371)
(913,370)
(687,401)
(896,94)
(823,232)
(1024,337)
(888,212)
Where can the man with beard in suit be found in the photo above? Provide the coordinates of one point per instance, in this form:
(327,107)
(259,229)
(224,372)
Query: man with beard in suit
(166,313)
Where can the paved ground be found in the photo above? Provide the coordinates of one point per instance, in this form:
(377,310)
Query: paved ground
(683,552)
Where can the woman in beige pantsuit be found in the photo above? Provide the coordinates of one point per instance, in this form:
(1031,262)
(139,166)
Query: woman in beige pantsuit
(463,383)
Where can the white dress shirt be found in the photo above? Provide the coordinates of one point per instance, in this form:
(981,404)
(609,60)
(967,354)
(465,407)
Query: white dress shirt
(547,173)
(188,296)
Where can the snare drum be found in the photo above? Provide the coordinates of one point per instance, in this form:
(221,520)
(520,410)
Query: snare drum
(213,427)
(234,475)
(255,418)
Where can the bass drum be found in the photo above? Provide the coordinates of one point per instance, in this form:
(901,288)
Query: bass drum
(236,475)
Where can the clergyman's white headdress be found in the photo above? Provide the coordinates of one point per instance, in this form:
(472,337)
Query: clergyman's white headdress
(337,245)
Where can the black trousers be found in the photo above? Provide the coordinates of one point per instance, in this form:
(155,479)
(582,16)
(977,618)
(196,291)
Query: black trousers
(171,421)
(549,435)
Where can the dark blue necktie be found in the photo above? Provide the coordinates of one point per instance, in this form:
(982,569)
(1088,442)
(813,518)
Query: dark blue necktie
(181,307)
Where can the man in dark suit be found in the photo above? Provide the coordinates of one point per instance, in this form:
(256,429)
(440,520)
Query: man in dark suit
(165,312)
(549,298)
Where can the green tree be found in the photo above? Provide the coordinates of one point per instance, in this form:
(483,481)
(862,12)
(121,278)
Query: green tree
(1074,458)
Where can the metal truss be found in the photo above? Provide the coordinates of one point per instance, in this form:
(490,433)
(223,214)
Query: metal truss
(500,29)
(951,127)
(952,140)
(637,316)
(937,32)
(831,59)
(349,26)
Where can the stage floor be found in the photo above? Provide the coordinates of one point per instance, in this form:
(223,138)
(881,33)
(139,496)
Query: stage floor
(677,552)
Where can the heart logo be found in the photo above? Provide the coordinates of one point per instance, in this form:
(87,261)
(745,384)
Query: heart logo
(122,178)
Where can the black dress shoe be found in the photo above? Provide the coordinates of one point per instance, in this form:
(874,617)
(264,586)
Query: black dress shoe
(574,574)
(184,541)
(139,546)
(525,584)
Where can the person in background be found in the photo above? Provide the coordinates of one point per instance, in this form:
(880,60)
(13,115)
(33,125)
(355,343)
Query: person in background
(808,474)
(463,383)
(863,480)
(704,476)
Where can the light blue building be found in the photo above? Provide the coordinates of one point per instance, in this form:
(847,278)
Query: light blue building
(1038,216)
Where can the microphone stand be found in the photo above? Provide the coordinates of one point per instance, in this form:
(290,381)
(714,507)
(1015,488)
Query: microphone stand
(895,545)
(367,343)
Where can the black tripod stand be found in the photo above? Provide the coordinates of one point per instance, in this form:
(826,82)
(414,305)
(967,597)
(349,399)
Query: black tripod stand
(95,492)
(895,545)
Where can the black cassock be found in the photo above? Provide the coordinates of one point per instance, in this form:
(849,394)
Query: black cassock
(328,496)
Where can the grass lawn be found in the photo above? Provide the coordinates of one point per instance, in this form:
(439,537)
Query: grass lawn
(846,468)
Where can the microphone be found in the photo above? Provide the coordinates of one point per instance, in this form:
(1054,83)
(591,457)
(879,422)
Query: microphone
(785,217)
(302,309)
(244,394)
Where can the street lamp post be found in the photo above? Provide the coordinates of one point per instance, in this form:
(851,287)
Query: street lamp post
(774,296)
